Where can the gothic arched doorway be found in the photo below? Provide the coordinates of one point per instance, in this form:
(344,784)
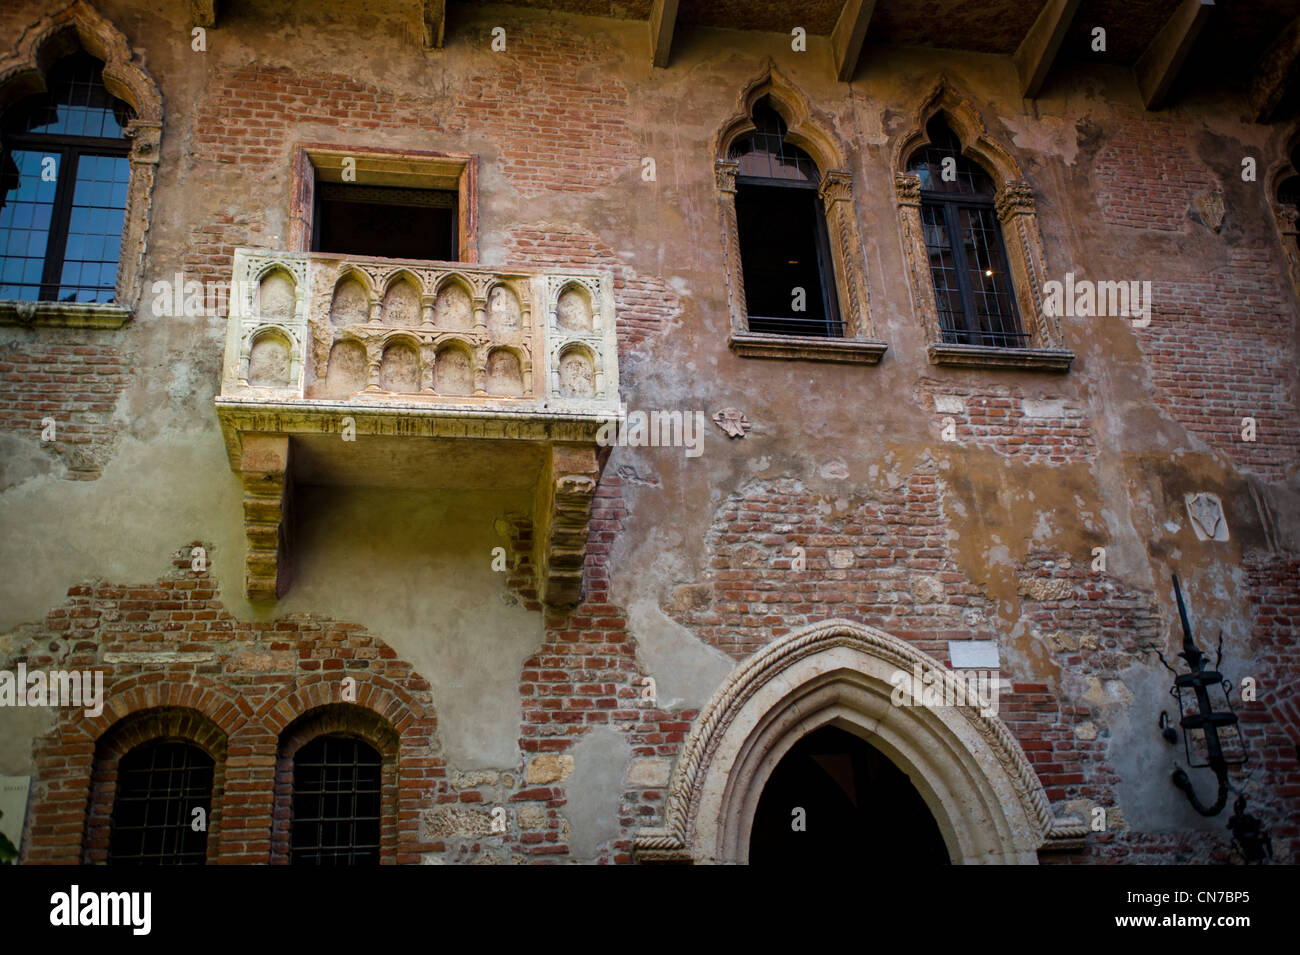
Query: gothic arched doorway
(835,796)
(968,769)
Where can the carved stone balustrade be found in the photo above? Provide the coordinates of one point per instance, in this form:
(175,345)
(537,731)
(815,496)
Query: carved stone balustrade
(378,372)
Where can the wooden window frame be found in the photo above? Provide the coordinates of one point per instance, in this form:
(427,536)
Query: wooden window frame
(320,162)
(951,206)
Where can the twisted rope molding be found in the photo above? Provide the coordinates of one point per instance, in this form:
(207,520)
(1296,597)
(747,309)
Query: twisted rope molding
(671,841)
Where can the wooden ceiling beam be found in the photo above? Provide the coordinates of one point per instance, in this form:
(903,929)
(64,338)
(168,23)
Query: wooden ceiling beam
(663,18)
(848,36)
(1158,67)
(434,16)
(1277,74)
(1038,49)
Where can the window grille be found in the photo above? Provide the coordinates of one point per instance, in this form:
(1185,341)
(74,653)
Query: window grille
(159,785)
(336,803)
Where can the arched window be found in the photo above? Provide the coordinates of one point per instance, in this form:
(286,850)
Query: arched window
(337,802)
(64,176)
(159,785)
(784,249)
(973,287)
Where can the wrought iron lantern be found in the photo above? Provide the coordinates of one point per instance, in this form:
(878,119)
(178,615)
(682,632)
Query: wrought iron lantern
(1211,736)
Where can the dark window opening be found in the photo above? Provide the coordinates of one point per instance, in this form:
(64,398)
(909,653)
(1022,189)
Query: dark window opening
(336,803)
(64,173)
(159,785)
(855,806)
(1288,191)
(386,222)
(968,261)
(784,250)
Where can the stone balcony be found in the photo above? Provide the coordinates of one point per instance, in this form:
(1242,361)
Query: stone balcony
(376,372)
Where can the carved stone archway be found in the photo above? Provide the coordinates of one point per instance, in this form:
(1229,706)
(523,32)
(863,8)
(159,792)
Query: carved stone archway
(22,72)
(973,776)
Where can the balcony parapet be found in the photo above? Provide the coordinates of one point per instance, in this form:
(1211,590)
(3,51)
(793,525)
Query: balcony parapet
(378,371)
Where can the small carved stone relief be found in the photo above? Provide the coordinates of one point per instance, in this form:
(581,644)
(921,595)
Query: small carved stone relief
(268,363)
(577,377)
(503,374)
(453,309)
(275,297)
(453,373)
(503,318)
(350,306)
(1206,513)
(400,370)
(1209,206)
(732,421)
(572,311)
(346,374)
(401,305)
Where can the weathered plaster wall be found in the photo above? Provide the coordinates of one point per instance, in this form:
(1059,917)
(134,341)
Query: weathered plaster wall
(1043,470)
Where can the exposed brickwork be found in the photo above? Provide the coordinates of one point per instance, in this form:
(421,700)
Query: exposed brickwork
(78,385)
(1271,725)
(1093,627)
(1211,368)
(131,732)
(1147,175)
(249,680)
(1096,627)
(586,675)
(1052,431)
(646,306)
(557,124)
(752,591)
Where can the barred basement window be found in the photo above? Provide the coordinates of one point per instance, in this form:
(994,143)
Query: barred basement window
(159,785)
(64,173)
(968,260)
(784,251)
(336,803)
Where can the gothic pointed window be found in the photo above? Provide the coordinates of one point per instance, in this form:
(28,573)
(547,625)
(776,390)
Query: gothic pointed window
(64,175)
(786,259)
(973,287)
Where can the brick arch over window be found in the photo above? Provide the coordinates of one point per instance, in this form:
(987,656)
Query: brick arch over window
(63,788)
(973,776)
(22,72)
(386,718)
(162,723)
(1017,213)
(811,134)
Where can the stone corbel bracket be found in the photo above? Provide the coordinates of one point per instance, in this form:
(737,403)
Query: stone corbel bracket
(563,515)
(264,471)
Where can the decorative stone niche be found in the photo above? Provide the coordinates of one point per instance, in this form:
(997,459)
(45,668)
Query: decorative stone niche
(430,364)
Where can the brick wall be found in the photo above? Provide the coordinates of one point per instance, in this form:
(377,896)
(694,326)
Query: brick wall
(251,681)
(1221,348)
(1271,725)
(646,306)
(885,563)
(78,385)
(1146,175)
(1002,419)
(558,124)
